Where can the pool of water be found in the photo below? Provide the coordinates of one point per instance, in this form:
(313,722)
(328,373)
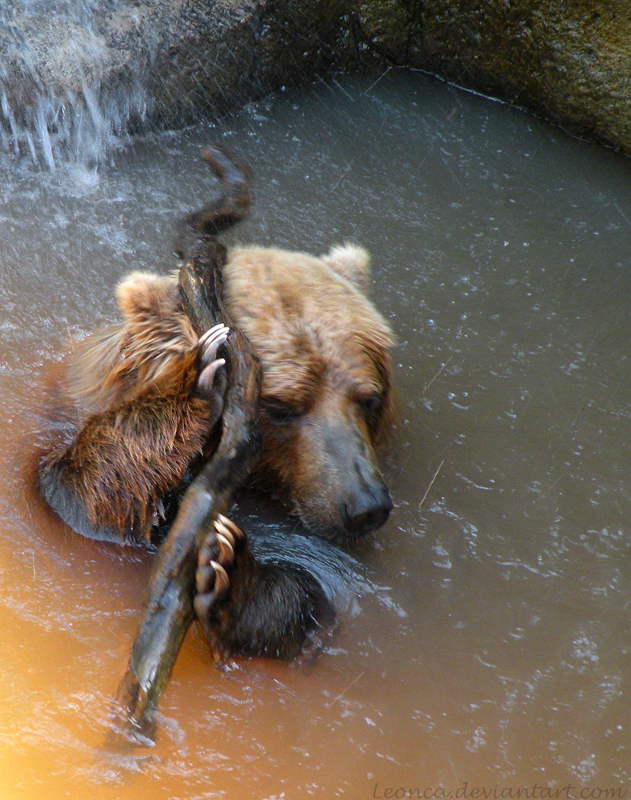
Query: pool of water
(496,656)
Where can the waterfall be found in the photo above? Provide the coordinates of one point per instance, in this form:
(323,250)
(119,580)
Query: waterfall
(67,94)
(77,75)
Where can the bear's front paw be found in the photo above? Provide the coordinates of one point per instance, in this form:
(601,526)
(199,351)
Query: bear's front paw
(215,564)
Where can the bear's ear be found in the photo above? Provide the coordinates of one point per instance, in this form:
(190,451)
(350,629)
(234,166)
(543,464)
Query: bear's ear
(142,295)
(351,262)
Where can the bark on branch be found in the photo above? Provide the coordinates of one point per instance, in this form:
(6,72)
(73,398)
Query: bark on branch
(168,609)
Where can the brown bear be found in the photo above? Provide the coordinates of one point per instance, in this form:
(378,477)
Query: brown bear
(134,408)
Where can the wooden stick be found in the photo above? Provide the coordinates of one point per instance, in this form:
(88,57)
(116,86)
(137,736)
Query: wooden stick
(168,609)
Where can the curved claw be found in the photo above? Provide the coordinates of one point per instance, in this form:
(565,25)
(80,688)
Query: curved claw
(212,579)
(207,376)
(212,340)
(215,558)
(211,347)
(224,530)
(216,330)
(228,528)
(222,581)
(226,549)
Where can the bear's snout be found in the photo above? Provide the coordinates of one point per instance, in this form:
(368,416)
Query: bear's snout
(365,504)
(336,485)
(367,509)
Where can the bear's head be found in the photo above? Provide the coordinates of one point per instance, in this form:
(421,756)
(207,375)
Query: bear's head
(326,398)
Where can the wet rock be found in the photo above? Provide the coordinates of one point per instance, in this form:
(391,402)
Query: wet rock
(567,60)
(75,74)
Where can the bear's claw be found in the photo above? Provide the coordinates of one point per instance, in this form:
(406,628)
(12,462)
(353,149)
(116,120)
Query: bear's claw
(209,343)
(227,528)
(226,548)
(214,337)
(215,563)
(206,378)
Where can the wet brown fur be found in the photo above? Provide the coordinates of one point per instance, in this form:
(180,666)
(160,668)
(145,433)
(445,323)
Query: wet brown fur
(324,349)
(127,423)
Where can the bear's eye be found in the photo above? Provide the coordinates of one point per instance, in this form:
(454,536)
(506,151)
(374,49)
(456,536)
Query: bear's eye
(370,404)
(281,412)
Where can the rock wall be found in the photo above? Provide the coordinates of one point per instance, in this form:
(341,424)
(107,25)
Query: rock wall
(75,73)
(567,60)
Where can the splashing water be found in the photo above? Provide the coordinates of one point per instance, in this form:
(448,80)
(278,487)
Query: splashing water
(54,104)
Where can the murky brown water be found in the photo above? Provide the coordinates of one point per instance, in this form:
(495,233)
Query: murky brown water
(500,656)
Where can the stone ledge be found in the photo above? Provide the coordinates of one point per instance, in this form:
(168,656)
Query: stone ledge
(76,78)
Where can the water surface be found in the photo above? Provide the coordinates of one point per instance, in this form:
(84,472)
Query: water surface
(497,653)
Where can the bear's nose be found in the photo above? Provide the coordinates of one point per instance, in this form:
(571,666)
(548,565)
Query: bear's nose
(367,511)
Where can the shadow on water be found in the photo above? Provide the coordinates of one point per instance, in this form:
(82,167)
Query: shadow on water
(502,657)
